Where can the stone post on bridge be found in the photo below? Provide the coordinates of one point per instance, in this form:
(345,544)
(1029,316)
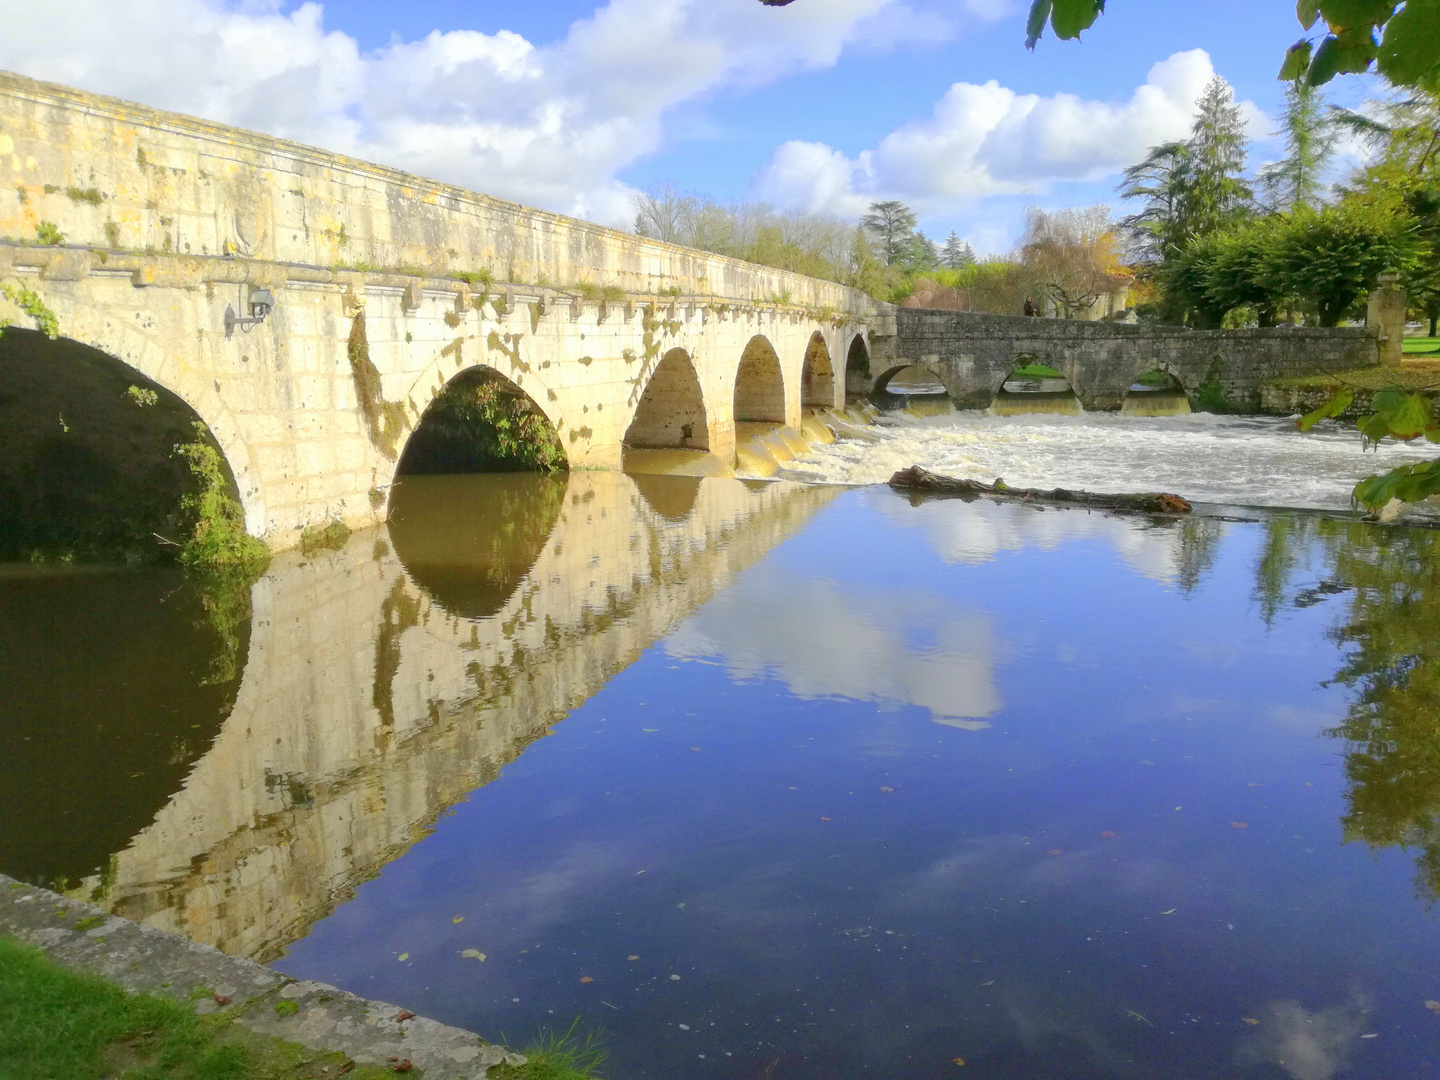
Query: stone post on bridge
(1385,315)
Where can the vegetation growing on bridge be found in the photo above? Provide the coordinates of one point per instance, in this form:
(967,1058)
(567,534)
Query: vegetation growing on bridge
(385,421)
(217,539)
(482,422)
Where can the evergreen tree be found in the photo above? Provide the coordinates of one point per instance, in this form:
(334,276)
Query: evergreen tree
(956,254)
(1215,190)
(924,255)
(1310,135)
(892,224)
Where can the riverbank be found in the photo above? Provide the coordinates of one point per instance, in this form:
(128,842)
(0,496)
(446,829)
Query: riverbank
(204,1009)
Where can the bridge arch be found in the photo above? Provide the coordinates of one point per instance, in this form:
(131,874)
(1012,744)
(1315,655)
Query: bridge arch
(671,409)
(857,356)
(817,375)
(88,459)
(759,384)
(481,421)
(919,374)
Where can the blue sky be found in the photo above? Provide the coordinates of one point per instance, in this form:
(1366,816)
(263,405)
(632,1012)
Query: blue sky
(823,105)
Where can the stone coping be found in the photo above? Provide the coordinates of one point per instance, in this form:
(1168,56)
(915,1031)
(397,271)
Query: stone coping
(144,959)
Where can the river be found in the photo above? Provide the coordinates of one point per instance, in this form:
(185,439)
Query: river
(1235,460)
(767,779)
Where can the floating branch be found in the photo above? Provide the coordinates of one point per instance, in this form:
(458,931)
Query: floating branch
(917,479)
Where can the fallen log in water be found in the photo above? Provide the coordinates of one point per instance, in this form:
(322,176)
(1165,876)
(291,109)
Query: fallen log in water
(923,480)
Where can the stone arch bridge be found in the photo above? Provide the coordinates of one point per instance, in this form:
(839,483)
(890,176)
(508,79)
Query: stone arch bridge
(974,354)
(145,235)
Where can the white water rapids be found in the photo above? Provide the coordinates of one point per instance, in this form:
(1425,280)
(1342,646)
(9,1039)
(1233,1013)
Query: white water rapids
(1237,460)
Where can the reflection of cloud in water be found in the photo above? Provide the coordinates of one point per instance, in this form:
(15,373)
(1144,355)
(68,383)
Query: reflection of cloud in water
(1308,1046)
(895,648)
(977,532)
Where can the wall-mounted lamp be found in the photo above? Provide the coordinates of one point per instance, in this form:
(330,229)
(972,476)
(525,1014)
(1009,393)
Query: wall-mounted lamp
(262,302)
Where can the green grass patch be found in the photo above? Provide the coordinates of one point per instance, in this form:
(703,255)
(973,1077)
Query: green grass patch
(567,1055)
(1421,345)
(1410,375)
(57,1024)
(1036,371)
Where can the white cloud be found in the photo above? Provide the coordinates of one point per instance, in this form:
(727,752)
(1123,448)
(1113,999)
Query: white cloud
(985,140)
(547,125)
(894,649)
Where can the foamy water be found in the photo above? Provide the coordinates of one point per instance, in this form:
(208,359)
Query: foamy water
(1241,460)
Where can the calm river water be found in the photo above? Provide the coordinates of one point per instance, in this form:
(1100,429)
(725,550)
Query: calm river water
(773,780)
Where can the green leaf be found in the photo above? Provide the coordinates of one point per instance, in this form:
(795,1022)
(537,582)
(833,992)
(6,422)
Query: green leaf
(1307,11)
(1334,407)
(1372,429)
(1297,59)
(1410,49)
(1346,14)
(1326,63)
(1407,418)
(1035,25)
(1408,483)
(1072,16)
(1356,49)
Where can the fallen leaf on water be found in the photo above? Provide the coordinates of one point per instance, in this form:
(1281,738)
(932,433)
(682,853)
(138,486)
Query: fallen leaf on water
(632,958)
(1238,825)
(1433,1006)
(1170,912)
(458,919)
(1107,834)
(695,748)
(650,729)
(958,1061)
(1053,851)
(403,957)
(474,954)
(824,819)
(1372,1035)
(586,978)
(1250,1020)
(886,788)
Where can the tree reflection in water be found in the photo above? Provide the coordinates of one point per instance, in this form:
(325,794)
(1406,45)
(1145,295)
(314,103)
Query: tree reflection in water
(1391,633)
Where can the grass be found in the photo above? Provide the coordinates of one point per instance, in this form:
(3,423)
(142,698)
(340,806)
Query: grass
(57,1024)
(1421,345)
(1409,376)
(570,1055)
(1036,371)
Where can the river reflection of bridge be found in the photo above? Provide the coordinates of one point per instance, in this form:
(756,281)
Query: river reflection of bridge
(382,686)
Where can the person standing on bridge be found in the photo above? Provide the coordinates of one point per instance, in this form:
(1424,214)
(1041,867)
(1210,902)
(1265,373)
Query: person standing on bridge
(1030,307)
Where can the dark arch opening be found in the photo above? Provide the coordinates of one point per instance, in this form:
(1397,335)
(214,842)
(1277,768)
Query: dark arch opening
(759,385)
(88,462)
(857,360)
(467,541)
(911,387)
(482,422)
(671,411)
(1035,387)
(1156,393)
(817,377)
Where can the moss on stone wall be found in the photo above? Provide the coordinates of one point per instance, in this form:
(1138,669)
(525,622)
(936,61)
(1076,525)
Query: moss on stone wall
(385,421)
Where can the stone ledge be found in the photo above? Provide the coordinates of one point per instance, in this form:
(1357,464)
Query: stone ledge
(144,959)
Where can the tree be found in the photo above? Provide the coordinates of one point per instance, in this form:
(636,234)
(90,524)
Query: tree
(1160,180)
(1215,192)
(1333,256)
(892,224)
(924,256)
(956,253)
(1407,52)
(1072,256)
(660,211)
(1310,133)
